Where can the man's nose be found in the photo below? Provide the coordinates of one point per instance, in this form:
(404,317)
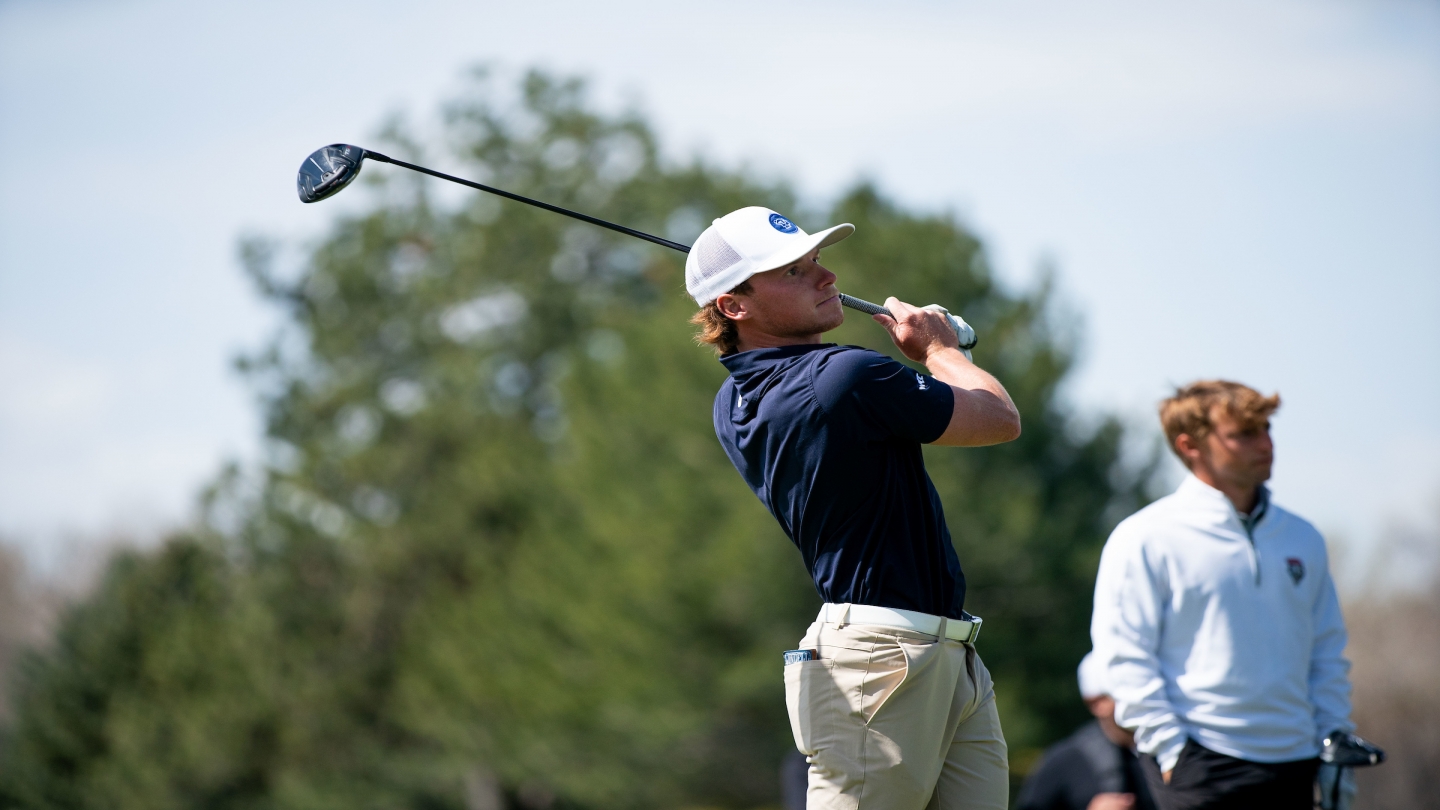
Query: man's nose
(827,278)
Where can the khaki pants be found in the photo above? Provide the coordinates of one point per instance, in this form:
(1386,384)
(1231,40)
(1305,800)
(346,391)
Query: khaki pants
(891,718)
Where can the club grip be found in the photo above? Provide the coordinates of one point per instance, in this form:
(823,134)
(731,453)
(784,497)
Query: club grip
(862,305)
(962,329)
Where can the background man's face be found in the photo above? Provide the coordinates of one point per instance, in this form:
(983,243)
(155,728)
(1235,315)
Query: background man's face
(1103,708)
(1239,454)
(794,301)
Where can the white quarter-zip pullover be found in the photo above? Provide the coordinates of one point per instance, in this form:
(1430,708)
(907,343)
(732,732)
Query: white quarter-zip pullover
(1222,632)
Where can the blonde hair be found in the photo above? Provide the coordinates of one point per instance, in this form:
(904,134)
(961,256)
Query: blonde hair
(1191,410)
(716,330)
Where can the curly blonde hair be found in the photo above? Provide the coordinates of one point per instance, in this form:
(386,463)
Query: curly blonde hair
(716,330)
(1192,408)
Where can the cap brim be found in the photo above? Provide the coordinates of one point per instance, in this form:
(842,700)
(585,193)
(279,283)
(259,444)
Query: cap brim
(799,250)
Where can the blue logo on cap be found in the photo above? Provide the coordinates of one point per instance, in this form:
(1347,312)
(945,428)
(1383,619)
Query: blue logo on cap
(782,224)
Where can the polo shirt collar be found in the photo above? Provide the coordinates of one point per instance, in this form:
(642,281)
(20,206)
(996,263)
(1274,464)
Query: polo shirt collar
(740,362)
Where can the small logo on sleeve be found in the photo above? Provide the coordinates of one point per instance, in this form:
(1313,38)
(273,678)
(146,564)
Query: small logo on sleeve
(782,224)
(1296,567)
(920,378)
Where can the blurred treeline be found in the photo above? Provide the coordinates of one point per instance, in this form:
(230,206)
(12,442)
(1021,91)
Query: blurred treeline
(496,556)
(1395,652)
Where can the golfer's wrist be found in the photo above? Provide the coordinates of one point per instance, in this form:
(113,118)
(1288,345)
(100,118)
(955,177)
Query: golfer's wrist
(940,353)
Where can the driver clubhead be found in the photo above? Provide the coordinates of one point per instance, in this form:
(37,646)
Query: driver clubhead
(328,170)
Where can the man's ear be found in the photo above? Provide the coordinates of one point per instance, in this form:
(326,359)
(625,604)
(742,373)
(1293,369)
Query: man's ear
(732,307)
(1187,449)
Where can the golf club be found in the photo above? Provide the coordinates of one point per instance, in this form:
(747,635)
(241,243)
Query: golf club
(332,168)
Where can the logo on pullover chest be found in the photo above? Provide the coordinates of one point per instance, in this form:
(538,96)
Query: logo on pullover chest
(920,378)
(1296,567)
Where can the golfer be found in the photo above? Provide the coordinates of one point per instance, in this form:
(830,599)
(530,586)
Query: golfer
(1217,620)
(893,709)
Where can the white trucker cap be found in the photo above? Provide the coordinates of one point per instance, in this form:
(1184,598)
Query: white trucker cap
(745,242)
(1092,677)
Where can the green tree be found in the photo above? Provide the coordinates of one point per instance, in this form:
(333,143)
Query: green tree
(497,542)
(150,695)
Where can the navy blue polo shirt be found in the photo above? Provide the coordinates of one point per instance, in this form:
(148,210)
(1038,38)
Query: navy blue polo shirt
(829,438)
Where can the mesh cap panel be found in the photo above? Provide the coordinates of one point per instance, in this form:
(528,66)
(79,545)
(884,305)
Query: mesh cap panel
(713,255)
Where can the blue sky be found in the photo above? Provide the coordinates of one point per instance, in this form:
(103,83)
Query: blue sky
(1239,190)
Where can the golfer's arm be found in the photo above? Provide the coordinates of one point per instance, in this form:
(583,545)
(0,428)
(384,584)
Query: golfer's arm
(983,413)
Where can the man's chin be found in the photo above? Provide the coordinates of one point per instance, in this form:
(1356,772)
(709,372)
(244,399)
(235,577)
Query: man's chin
(831,315)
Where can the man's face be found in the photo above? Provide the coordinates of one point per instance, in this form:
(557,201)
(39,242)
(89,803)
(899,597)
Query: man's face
(795,301)
(1103,708)
(1238,454)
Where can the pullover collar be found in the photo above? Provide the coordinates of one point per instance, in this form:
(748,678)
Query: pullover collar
(1257,513)
(1194,490)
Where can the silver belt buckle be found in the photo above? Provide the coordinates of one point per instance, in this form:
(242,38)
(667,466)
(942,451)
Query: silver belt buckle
(975,622)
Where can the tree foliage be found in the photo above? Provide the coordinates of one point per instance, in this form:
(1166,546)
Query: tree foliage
(497,542)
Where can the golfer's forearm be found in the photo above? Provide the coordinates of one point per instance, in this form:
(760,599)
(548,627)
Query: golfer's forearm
(984,413)
(951,366)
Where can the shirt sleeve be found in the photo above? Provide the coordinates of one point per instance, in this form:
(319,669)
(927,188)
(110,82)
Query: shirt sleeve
(1329,670)
(884,399)
(1131,591)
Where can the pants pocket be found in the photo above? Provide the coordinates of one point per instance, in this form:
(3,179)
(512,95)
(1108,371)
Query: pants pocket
(807,685)
(885,671)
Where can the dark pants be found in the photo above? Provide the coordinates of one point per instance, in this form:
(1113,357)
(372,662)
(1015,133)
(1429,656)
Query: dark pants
(1204,779)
